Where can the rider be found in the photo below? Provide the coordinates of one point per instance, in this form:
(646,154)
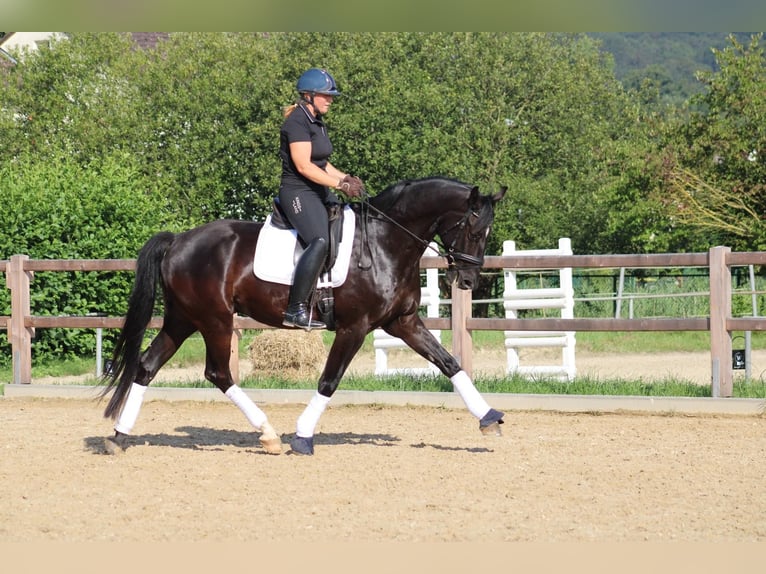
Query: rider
(304,191)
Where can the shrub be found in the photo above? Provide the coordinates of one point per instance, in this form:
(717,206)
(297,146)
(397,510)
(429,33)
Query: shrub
(59,210)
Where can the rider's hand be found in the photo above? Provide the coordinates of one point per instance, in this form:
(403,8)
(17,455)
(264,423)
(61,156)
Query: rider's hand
(351,186)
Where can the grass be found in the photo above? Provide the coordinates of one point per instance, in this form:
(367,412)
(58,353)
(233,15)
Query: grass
(515,385)
(192,353)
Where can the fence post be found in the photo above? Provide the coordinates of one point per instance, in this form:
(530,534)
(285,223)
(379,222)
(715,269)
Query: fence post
(720,311)
(20,336)
(462,343)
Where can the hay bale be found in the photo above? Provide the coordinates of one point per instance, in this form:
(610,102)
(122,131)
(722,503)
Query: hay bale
(288,354)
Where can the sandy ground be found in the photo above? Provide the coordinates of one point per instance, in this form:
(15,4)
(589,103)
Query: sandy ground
(195,472)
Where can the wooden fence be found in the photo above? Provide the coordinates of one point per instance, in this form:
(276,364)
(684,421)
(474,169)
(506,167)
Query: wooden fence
(19,271)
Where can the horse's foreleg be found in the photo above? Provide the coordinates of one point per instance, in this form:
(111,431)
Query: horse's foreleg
(347,343)
(411,330)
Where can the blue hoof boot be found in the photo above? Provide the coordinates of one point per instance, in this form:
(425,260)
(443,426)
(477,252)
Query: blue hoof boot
(302,445)
(490,423)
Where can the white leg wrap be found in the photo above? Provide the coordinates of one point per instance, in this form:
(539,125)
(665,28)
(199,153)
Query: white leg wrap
(255,415)
(471,397)
(309,418)
(129,413)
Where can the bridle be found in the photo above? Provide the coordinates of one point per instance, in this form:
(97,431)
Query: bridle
(449,252)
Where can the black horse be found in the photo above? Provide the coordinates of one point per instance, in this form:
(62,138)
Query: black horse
(207,277)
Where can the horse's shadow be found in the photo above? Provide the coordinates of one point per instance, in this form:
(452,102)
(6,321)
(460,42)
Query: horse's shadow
(452,448)
(202,438)
(194,438)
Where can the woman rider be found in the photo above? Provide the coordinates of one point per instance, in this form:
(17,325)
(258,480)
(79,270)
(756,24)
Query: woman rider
(304,192)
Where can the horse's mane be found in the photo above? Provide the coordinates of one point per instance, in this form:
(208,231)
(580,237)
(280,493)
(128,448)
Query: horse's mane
(386,199)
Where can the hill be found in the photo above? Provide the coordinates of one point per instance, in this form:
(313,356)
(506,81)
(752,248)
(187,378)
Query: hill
(670,58)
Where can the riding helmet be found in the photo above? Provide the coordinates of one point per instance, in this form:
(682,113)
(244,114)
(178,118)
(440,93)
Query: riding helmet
(317,81)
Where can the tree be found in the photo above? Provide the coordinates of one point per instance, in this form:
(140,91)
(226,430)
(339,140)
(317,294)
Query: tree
(211,106)
(714,175)
(541,113)
(73,97)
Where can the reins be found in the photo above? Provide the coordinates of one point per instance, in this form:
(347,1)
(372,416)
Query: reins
(448,253)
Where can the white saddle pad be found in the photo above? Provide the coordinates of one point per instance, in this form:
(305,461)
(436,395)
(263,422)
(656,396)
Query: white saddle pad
(275,253)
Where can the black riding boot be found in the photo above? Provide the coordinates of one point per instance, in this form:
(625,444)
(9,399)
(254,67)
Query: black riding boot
(306,274)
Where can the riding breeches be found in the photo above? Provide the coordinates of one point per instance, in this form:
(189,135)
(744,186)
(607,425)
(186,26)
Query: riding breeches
(306,212)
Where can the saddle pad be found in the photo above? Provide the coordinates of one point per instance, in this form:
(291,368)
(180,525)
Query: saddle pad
(274,254)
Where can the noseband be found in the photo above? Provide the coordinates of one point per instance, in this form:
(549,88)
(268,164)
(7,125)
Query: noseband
(454,257)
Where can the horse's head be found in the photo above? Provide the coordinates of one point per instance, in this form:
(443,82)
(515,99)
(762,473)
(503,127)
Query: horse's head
(466,238)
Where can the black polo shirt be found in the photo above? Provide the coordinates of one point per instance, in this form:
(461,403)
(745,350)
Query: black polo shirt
(301,126)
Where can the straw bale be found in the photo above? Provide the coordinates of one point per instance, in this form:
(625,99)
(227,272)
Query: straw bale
(288,353)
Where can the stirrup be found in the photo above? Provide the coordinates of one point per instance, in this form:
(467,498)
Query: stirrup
(300,317)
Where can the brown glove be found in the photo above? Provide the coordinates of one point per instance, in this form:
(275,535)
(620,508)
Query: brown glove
(351,185)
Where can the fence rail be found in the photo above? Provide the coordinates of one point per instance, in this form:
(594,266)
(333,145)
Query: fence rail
(19,271)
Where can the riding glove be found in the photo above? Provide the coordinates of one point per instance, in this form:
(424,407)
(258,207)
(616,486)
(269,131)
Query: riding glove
(351,185)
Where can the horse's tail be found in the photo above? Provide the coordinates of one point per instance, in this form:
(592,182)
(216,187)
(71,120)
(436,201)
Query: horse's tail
(125,358)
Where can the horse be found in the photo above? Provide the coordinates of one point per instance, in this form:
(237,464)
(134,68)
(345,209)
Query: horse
(207,275)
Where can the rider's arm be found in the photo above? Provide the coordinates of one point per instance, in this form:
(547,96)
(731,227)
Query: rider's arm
(301,156)
(335,172)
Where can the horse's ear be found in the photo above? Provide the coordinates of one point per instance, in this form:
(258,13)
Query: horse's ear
(499,195)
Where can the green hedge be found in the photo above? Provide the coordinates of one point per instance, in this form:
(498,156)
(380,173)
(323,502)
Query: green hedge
(58,209)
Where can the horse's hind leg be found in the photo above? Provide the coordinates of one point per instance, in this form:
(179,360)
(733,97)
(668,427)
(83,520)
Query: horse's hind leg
(217,370)
(162,347)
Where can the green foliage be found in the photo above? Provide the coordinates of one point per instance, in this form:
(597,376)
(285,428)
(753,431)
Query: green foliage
(541,113)
(715,164)
(211,104)
(188,132)
(74,97)
(61,210)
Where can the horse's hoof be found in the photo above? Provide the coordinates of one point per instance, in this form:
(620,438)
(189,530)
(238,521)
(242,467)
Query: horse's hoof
(490,423)
(115,445)
(302,445)
(271,444)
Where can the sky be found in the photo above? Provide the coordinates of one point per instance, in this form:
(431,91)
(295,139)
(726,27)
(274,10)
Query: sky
(386,15)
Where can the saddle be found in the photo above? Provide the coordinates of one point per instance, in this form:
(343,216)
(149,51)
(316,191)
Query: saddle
(323,296)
